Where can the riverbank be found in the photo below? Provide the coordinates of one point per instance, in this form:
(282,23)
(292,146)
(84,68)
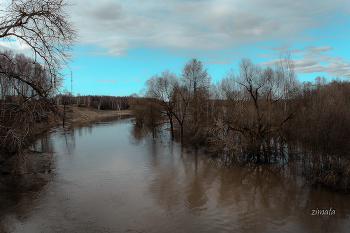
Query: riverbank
(81,115)
(74,116)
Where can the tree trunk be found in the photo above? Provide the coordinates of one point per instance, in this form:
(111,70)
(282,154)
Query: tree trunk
(171,127)
(64,114)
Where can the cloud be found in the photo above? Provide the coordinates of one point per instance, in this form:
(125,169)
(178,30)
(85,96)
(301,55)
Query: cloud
(132,79)
(276,48)
(318,48)
(104,80)
(142,73)
(266,55)
(336,66)
(118,26)
(314,51)
(16,46)
(220,61)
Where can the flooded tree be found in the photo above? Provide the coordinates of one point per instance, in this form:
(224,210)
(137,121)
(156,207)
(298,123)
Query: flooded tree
(197,80)
(161,89)
(261,115)
(257,106)
(323,129)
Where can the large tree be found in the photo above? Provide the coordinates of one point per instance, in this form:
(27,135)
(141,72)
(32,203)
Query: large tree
(197,80)
(161,89)
(259,102)
(44,27)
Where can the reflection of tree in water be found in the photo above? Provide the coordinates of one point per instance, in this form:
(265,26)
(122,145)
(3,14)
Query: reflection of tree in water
(42,143)
(322,199)
(181,182)
(89,128)
(196,197)
(37,159)
(270,194)
(80,130)
(165,186)
(139,134)
(255,198)
(69,137)
(259,193)
(21,191)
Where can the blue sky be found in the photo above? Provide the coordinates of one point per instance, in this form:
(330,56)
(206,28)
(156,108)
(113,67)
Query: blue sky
(123,43)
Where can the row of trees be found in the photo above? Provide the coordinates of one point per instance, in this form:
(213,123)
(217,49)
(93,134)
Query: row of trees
(194,102)
(96,101)
(254,115)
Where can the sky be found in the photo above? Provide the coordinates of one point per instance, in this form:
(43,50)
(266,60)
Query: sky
(124,42)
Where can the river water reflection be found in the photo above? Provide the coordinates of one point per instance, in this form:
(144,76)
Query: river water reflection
(111,177)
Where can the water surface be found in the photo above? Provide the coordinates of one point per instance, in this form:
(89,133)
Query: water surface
(112,177)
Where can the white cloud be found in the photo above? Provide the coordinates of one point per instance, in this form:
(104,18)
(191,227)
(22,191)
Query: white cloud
(266,55)
(132,79)
(104,80)
(276,48)
(219,61)
(314,51)
(336,66)
(16,46)
(318,48)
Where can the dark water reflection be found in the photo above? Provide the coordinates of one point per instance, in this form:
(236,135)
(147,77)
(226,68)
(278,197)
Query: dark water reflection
(112,177)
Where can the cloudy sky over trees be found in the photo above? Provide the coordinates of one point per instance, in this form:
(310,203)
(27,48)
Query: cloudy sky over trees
(124,42)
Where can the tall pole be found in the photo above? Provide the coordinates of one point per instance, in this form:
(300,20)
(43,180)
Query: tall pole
(71,80)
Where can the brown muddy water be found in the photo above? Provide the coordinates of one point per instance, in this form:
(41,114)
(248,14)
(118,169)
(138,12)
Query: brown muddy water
(111,177)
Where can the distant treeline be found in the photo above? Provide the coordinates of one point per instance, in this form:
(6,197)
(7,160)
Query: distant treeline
(256,115)
(95,101)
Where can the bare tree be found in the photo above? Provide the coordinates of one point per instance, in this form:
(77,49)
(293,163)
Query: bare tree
(259,104)
(43,26)
(161,89)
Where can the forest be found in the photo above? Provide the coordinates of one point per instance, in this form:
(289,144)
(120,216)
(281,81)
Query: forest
(255,115)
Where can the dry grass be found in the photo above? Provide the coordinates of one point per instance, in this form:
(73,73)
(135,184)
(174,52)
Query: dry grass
(81,115)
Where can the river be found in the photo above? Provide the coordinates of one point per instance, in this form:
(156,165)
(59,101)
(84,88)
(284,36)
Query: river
(112,177)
